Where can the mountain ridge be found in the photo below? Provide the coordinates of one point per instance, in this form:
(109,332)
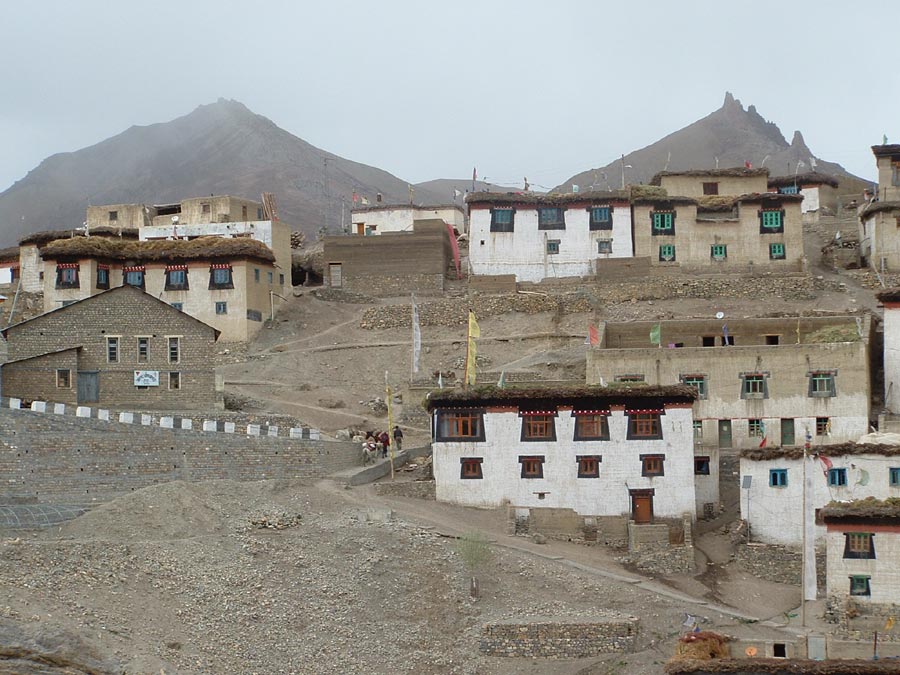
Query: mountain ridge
(729,136)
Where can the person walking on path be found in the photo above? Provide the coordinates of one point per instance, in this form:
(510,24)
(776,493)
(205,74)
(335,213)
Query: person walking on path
(398,438)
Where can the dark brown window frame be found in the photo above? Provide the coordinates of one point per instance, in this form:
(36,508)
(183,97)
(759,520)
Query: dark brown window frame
(589,465)
(636,426)
(471,462)
(856,552)
(443,416)
(527,434)
(580,435)
(534,464)
(648,462)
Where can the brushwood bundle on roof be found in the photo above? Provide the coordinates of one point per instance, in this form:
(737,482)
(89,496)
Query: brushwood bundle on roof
(863,508)
(810,177)
(736,171)
(10,254)
(889,295)
(715,203)
(561,395)
(42,238)
(887,149)
(758,666)
(834,450)
(202,248)
(875,207)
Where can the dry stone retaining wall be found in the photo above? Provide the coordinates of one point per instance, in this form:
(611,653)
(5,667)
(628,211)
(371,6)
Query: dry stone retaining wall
(559,639)
(587,297)
(55,459)
(419,489)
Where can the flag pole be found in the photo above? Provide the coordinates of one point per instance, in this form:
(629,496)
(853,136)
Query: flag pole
(388,397)
(468,341)
(803,556)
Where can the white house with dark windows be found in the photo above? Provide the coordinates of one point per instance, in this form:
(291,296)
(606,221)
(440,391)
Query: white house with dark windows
(600,451)
(863,559)
(773,502)
(537,236)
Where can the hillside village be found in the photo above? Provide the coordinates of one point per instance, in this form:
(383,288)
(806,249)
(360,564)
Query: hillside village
(576,431)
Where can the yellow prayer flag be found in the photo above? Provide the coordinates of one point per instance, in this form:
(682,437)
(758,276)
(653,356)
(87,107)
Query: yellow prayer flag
(472,349)
(474,330)
(889,623)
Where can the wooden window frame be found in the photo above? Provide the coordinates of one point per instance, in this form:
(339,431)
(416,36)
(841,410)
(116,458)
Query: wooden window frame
(143,341)
(113,353)
(702,388)
(663,257)
(532,466)
(497,226)
(553,246)
(470,468)
(773,255)
(755,427)
(697,427)
(531,424)
(173,286)
(715,247)
(644,426)
(63,381)
(221,285)
(142,272)
(176,380)
(588,465)
(458,419)
(698,465)
(768,215)
(653,465)
(62,272)
(224,305)
(827,376)
(710,188)
(604,246)
(104,284)
(754,386)
(894,476)
(859,546)
(837,477)
(823,426)
(595,225)
(855,590)
(662,223)
(598,428)
(782,481)
(177,350)
(546,224)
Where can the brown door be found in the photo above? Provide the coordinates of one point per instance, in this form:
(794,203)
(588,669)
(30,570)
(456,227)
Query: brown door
(642,508)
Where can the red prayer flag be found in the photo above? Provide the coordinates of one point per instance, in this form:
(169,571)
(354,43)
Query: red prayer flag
(763,442)
(593,335)
(747,164)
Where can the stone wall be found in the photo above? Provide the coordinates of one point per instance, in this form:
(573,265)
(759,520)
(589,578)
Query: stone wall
(419,489)
(781,564)
(661,548)
(57,459)
(572,639)
(586,296)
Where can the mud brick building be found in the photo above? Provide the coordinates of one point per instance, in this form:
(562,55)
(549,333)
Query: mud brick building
(607,452)
(863,561)
(768,378)
(879,220)
(120,348)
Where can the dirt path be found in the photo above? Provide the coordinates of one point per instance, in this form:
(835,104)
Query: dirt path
(456,521)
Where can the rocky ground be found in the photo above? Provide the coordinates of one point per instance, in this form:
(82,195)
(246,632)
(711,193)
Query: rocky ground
(284,577)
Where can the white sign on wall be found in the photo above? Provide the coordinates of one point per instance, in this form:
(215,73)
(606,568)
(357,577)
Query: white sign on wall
(146,378)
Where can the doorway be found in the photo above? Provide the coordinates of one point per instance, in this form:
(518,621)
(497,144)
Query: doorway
(88,386)
(724,433)
(641,506)
(787,432)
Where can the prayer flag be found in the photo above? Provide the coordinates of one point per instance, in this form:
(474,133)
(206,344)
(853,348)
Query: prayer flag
(747,164)
(417,336)
(472,352)
(655,334)
(863,477)
(502,381)
(889,623)
(725,340)
(593,335)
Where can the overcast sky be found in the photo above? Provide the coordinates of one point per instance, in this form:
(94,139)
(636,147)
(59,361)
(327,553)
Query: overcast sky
(429,90)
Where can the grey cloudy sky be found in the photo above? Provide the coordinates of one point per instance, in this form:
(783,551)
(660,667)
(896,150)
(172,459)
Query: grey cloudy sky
(427,90)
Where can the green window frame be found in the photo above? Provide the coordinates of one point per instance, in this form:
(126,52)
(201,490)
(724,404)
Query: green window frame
(772,220)
(776,252)
(860,584)
(718,251)
(696,381)
(894,476)
(503,219)
(663,222)
(667,252)
(551,218)
(553,247)
(600,218)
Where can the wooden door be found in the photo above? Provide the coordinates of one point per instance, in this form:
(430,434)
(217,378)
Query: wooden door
(787,432)
(724,433)
(88,386)
(642,508)
(336,275)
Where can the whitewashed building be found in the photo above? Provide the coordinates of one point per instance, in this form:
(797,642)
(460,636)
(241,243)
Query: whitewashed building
(863,557)
(819,191)
(773,504)
(537,237)
(890,299)
(618,451)
(879,234)
(381,218)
